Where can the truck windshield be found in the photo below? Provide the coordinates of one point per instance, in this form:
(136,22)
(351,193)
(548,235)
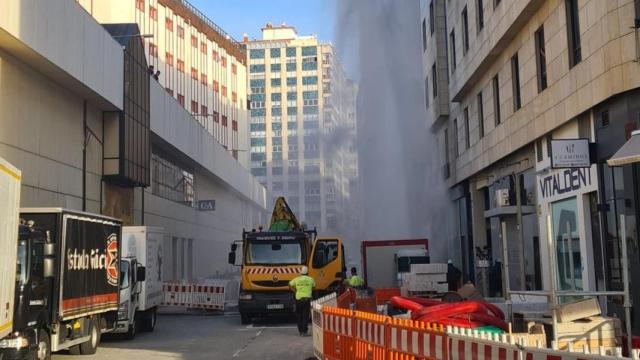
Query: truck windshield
(124,274)
(22,263)
(275,253)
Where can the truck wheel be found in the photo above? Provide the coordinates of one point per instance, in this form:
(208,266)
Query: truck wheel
(150,320)
(90,346)
(133,329)
(44,346)
(245,318)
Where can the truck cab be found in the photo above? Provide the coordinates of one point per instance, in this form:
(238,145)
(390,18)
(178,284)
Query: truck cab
(271,259)
(131,276)
(33,297)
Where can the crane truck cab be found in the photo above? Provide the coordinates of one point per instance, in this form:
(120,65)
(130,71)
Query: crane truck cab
(270,259)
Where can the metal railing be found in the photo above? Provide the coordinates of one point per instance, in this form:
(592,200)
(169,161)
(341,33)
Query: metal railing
(210,23)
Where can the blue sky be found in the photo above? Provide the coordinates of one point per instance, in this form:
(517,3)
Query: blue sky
(249,16)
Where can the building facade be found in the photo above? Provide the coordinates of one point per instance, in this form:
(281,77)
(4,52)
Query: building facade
(91,129)
(300,103)
(503,79)
(199,64)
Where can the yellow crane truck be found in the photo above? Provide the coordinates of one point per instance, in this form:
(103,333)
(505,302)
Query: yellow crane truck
(270,259)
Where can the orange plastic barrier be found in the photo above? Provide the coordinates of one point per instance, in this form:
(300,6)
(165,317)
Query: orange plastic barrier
(370,336)
(337,337)
(384,295)
(411,340)
(357,335)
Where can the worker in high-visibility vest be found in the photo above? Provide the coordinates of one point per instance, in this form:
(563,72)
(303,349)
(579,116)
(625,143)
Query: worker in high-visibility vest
(354,280)
(303,286)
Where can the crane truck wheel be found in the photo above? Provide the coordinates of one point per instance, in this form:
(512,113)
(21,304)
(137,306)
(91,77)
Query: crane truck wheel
(90,346)
(44,346)
(245,318)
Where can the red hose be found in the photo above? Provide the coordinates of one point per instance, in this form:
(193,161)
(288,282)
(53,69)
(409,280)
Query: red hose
(442,311)
(405,303)
(424,302)
(466,314)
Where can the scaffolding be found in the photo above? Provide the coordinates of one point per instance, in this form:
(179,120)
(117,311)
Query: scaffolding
(554,294)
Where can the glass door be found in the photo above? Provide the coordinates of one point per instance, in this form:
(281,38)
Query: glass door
(567,244)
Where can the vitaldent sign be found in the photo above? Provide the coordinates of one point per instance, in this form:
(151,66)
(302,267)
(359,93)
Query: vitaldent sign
(570,153)
(564,182)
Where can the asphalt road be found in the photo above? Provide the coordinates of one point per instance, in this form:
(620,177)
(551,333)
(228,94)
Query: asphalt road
(208,337)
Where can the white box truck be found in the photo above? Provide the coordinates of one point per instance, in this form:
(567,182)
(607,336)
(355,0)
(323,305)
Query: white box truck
(141,279)
(383,260)
(9,213)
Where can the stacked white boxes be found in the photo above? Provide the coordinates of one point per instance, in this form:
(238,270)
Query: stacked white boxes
(426,278)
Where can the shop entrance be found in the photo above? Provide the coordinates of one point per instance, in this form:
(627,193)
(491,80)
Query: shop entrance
(567,244)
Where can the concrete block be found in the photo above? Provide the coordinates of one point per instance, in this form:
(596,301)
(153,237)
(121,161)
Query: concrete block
(578,310)
(428,268)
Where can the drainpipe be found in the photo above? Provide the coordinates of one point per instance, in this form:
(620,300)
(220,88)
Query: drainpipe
(85,141)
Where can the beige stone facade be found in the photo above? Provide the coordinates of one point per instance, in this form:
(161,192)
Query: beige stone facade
(497,164)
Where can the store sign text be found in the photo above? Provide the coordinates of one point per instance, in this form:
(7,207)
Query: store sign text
(563,182)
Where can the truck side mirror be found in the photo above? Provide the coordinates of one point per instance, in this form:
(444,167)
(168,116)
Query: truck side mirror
(141,273)
(49,267)
(49,249)
(232,257)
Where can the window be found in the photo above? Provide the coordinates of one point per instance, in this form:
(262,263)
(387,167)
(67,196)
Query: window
(515,82)
(276,82)
(258,68)
(539,156)
(496,100)
(541,59)
(446,146)
(194,107)
(275,53)
(194,41)
(455,138)
(234,69)
(308,80)
(291,66)
(432,18)
(168,58)
(424,34)
(452,50)
(573,32)
(291,52)
(172,181)
(275,67)
(426,92)
(180,65)
(309,51)
(434,80)
(204,110)
(467,140)
(194,73)
(223,62)
(480,115)
(153,13)
(168,24)
(479,14)
(153,50)
(140,5)
(256,54)
(180,31)
(465,31)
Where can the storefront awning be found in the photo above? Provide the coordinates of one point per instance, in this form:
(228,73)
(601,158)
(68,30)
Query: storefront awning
(628,153)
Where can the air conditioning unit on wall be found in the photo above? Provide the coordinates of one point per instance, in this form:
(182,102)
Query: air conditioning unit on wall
(502,197)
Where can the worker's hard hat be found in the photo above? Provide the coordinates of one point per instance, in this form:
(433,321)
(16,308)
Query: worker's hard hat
(304,270)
